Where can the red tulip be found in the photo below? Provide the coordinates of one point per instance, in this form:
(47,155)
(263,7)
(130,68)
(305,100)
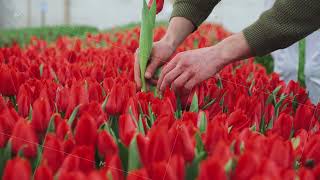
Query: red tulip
(214,134)
(305,174)
(41,114)
(246,166)
(62,129)
(159,4)
(211,169)
(43,173)
(81,159)
(159,148)
(281,153)
(62,100)
(24,138)
(17,169)
(9,81)
(127,128)
(312,150)
(132,107)
(171,170)
(24,99)
(94,109)
(108,84)
(238,120)
(8,119)
(118,97)
(304,118)
(106,145)
(114,168)
(283,126)
(76,175)
(182,142)
(69,144)
(140,174)
(86,131)
(53,153)
(95,175)
(78,95)
(95,91)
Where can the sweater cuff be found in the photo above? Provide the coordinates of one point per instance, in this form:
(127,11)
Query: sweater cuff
(190,12)
(257,38)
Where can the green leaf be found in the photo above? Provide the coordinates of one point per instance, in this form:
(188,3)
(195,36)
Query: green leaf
(114,125)
(103,105)
(146,38)
(203,123)
(41,69)
(134,157)
(55,77)
(73,115)
(230,165)
(132,116)
(199,144)
(51,126)
(37,160)
(209,104)
(193,168)
(30,113)
(178,113)
(151,115)
(194,104)
(5,155)
(262,127)
(295,142)
(253,128)
(140,126)
(123,154)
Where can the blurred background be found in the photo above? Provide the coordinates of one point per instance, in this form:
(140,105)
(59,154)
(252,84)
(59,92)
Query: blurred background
(233,15)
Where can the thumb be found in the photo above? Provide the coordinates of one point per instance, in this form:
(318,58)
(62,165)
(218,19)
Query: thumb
(152,67)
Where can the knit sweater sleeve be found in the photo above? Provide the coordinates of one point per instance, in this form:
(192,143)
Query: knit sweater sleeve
(194,10)
(284,24)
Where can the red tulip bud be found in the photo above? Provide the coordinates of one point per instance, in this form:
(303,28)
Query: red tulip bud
(24,138)
(17,168)
(41,114)
(159,5)
(86,130)
(43,173)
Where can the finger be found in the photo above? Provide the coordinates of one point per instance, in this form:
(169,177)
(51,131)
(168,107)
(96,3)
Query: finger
(190,85)
(178,84)
(152,67)
(169,78)
(137,71)
(167,68)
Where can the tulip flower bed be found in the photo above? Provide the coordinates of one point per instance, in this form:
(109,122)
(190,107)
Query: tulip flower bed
(70,110)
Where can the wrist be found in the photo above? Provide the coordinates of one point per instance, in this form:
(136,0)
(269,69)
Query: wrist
(170,41)
(232,49)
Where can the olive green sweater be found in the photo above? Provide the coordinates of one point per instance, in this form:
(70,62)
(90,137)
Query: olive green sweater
(285,23)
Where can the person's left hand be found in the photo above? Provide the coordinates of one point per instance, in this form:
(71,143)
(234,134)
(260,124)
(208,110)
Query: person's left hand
(189,68)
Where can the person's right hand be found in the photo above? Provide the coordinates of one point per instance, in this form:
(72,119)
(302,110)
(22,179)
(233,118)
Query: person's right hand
(161,52)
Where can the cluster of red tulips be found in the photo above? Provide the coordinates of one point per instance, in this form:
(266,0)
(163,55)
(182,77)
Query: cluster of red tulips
(70,110)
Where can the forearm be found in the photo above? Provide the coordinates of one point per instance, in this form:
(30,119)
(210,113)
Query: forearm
(284,24)
(179,28)
(229,50)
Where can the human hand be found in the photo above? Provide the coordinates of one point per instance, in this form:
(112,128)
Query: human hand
(161,52)
(189,68)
